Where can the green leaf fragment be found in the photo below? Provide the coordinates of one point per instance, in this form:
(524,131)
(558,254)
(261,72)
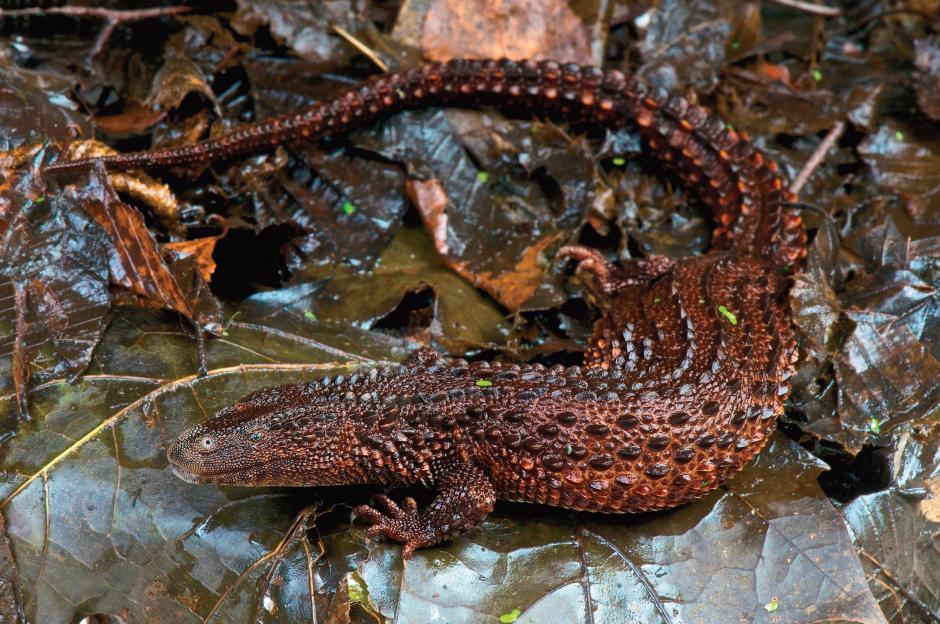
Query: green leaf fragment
(817,75)
(728,314)
(874,425)
(348,207)
(899,135)
(772,605)
(309,315)
(619,161)
(484,383)
(355,588)
(229,322)
(735,45)
(483,176)
(512,616)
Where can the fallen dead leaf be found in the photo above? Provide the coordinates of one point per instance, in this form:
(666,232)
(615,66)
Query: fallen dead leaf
(517,29)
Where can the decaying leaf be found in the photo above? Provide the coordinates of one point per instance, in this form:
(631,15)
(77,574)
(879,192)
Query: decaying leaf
(495,28)
(927,60)
(134,259)
(55,256)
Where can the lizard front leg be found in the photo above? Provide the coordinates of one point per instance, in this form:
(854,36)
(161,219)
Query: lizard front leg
(465,496)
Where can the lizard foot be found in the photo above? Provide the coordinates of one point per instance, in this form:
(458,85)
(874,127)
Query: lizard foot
(591,262)
(611,278)
(405,526)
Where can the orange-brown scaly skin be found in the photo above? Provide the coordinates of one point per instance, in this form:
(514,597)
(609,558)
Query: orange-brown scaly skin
(682,380)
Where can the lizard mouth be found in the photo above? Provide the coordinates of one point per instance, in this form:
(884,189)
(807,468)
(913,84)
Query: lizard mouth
(216,477)
(186,475)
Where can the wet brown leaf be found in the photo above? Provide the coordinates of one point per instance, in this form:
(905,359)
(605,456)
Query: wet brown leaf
(521,189)
(876,329)
(897,529)
(134,259)
(908,164)
(459,317)
(685,43)
(136,118)
(178,78)
(10,609)
(305,27)
(512,287)
(927,60)
(517,29)
(201,250)
(57,257)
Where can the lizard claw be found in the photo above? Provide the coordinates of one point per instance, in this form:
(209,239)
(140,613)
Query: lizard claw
(397,524)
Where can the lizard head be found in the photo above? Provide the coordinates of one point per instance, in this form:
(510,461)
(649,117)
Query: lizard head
(280,435)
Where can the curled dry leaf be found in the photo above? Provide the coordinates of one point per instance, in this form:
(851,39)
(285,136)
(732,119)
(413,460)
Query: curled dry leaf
(157,196)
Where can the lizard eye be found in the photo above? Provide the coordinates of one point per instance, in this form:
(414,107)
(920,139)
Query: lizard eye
(207,442)
(255,436)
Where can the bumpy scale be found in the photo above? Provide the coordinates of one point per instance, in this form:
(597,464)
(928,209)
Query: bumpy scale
(682,380)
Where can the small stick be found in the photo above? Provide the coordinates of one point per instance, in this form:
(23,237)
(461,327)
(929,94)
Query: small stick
(111,17)
(114,15)
(816,159)
(808,7)
(369,52)
(20,359)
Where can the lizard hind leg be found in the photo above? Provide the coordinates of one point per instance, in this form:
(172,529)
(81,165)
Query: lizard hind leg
(611,278)
(591,262)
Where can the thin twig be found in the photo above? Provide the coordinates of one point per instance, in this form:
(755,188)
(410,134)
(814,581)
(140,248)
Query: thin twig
(353,41)
(116,15)
(816,159)
(808,7)
(900,587)
(930,17)
(111,17)
(20,353)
